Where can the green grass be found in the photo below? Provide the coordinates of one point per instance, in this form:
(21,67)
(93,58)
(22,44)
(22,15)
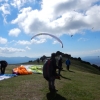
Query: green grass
(82,83)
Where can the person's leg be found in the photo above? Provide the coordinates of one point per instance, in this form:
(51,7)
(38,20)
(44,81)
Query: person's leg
(58,71)
(68,67)
(53,84)
(61,68)
(50,84)
(1,70)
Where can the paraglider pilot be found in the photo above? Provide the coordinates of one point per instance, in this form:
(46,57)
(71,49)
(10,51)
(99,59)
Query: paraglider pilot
(49,72)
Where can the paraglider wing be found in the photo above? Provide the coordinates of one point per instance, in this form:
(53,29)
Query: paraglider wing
(49,35)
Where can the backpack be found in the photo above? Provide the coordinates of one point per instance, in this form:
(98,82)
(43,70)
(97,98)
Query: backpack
(46,69)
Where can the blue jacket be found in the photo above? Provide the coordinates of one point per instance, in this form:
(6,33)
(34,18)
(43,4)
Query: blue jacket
(68,62)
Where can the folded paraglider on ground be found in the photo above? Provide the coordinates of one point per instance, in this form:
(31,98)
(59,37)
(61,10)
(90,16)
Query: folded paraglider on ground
(27,69)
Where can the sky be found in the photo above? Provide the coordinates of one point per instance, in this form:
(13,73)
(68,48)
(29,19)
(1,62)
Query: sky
(75,22)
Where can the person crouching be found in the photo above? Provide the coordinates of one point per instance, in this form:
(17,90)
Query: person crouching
(3,65)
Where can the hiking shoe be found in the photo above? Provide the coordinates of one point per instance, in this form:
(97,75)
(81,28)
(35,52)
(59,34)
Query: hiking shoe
(57,77)
(53,90)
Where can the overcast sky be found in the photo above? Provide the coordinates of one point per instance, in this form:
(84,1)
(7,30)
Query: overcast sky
(75,22)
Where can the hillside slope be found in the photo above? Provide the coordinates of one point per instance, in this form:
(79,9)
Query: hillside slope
(80,83)
(78,65)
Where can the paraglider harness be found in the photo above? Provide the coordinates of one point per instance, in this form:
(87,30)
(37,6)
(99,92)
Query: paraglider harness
(47,69)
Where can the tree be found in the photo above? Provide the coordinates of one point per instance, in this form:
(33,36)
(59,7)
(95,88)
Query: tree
(43,58)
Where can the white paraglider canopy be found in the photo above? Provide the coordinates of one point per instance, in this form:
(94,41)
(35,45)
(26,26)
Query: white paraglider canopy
(49,35)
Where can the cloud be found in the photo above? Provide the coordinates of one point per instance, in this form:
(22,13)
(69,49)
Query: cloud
(5,8)
(14,32)
(20,3)
(23,42)
(10,50)
(33,41)
(13,41)
(55,42)
(57,18)
(3,40)
(95,52)
(23,13)
(5,20)
(27,48)
(1,0)
(93,18)
(76,5)
(83,39)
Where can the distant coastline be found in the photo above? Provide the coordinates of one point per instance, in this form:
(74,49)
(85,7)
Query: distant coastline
(17,60)
(92,59)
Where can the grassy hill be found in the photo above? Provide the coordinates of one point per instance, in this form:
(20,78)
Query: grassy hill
(82,82)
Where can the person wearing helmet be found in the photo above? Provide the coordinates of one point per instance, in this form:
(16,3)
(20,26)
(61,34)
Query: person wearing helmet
(53,73)
(49,72)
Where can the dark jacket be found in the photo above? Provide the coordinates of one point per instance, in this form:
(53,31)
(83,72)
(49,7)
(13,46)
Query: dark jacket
(53,66)
(60,62)
(49,68)
(3,63)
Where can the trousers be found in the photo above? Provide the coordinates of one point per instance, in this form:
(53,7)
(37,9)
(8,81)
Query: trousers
(51,83)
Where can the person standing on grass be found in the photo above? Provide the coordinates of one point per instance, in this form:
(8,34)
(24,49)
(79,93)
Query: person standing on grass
(49,72)
(59,65)
(3,65)
(68,64)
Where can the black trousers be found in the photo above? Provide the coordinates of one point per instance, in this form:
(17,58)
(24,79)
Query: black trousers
(51,83)
(67,67)
(59,71)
